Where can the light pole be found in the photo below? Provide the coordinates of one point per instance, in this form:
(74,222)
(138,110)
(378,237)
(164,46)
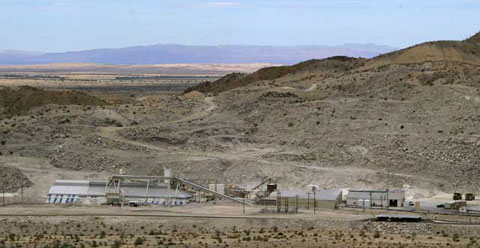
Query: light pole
(244,192)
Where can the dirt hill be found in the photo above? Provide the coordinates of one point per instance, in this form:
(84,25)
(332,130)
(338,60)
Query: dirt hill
(467,51)
(356,122)
(12,179)
(475,38)
(235,80)
(17,101)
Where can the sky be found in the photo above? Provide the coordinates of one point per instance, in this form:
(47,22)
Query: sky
(72,25)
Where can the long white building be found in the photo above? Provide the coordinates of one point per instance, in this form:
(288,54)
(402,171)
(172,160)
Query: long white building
(94,192)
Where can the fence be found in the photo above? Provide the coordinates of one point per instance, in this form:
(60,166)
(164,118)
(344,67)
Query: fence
(288,204)
(9,198)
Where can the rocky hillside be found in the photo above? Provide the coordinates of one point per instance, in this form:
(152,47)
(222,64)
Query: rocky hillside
(12,179)
(467,51)
(17,101)
(475,38)
(406,118)
(330,65)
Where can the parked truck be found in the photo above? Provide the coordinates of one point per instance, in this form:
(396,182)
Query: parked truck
(469,196)
(457,196)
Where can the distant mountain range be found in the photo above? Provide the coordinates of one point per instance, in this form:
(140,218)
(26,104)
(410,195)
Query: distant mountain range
(183,54)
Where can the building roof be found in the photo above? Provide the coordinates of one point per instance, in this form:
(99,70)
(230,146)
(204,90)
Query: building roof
(368,191)
(323,194)
(153,191)
(70,187)
(96,188)
(377,190)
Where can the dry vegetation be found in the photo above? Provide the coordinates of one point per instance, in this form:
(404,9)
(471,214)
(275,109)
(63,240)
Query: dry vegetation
(127,232)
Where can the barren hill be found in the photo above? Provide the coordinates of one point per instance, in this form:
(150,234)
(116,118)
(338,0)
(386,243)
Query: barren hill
(413,123)
(467,51)
(330,65)
(475,38)
(17,101)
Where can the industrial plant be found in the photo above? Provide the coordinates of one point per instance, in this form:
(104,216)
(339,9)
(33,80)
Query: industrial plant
(172,190)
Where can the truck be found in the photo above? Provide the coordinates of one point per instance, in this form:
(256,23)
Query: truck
(457,196)
(469,196)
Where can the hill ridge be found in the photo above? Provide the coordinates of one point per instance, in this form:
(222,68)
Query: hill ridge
(475,38)
(466,51)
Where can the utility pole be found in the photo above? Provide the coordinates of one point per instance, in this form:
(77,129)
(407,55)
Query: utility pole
(22,191)
(314,202)
(308,200)
(244,202)
(296,204)
(370,199)
(286,204)
(388,201)
(3,198)
(216,190)
(279,202)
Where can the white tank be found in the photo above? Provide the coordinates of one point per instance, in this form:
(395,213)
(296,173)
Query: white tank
(166,173)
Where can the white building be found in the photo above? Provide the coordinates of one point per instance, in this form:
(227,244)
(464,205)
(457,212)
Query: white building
(376,198)
(71,191)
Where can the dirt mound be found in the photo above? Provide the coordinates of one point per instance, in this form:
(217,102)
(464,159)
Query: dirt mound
(467,51)
(17,101)
(225,83)
(191,95)
(235,80)
(12,179)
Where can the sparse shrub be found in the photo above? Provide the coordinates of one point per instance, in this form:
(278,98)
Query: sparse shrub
(246,239)
(456,237)
(376,235)
(139,241)
(117,244)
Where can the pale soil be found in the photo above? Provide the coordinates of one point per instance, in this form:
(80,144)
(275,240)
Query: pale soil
(160,69)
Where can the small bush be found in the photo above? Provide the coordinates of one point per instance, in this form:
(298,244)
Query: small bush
(456,237)
(117,244)
(139,241)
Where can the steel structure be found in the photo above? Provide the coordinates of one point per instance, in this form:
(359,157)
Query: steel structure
(113,187)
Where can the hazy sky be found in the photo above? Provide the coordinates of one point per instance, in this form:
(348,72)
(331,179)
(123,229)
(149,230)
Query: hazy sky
(61,25)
